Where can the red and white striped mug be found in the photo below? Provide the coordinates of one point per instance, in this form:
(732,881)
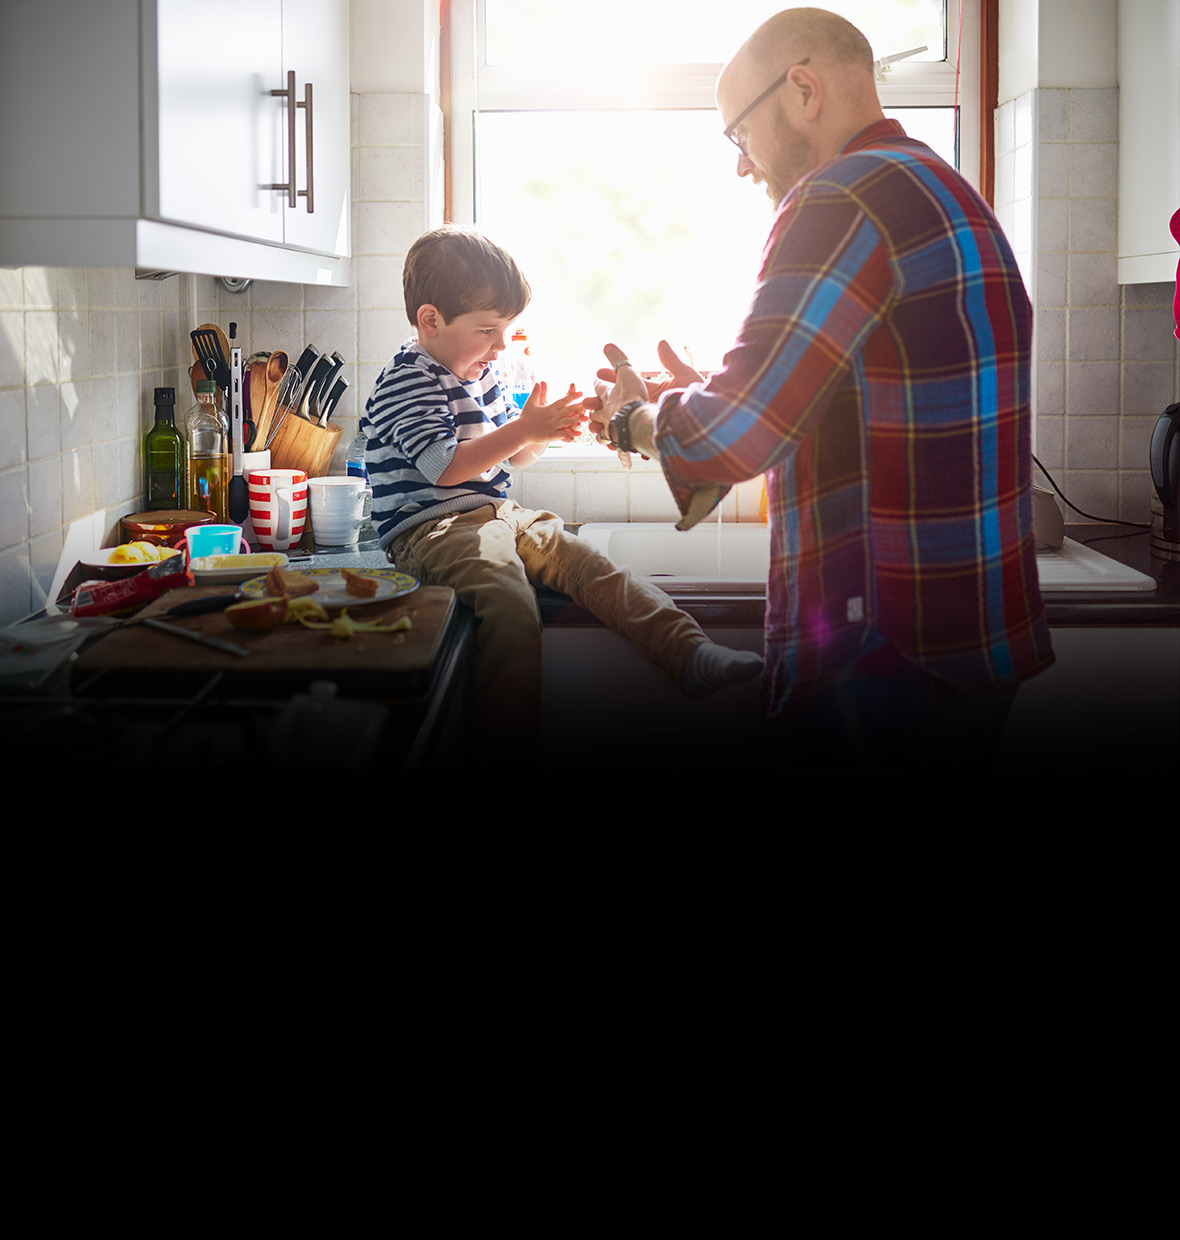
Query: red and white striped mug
(278,506)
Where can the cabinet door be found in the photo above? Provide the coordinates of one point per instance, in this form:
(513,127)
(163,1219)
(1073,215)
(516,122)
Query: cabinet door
(315,47)
(219,131)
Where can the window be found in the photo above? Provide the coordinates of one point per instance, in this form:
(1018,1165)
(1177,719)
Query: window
(591,149)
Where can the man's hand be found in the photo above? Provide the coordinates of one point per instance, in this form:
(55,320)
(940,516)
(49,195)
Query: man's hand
(613,389)
(681,374)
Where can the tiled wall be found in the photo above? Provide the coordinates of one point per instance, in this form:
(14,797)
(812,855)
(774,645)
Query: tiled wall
(82,349)
(1106,359)
(589,484)
(80,353)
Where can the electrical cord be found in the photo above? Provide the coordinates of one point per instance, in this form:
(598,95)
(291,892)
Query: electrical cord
(1139,525)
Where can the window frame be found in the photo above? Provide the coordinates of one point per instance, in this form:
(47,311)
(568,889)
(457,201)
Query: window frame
(470,86)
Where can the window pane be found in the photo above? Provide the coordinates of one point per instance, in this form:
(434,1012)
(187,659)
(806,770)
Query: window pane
(630,226)
(541,34)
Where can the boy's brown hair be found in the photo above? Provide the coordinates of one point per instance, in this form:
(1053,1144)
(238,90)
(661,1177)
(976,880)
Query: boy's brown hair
(459,270)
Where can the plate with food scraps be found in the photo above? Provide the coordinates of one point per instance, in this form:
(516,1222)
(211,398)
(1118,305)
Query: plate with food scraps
(332,589)
(209,570)
(125,560)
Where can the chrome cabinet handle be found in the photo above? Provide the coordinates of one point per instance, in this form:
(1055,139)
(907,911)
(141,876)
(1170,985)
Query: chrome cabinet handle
(288,93)
(288,186)
(309,192)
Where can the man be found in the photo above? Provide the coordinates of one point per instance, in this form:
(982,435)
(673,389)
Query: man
(881,382)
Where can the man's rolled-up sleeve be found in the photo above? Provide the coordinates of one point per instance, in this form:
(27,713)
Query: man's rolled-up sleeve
(824,284)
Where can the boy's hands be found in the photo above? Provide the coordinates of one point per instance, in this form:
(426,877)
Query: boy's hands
(562,419)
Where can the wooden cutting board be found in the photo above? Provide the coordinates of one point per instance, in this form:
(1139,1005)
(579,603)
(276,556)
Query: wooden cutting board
(137,658)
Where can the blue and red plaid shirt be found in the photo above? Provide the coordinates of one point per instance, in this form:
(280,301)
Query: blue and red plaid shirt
(881,382)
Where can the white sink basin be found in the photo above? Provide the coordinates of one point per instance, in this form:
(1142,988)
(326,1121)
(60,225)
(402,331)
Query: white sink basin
(735,558)
(1077,567)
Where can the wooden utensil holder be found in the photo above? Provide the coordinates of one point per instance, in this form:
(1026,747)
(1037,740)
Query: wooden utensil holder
(300,444)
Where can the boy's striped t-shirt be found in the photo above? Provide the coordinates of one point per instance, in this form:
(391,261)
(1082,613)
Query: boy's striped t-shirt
(418,411)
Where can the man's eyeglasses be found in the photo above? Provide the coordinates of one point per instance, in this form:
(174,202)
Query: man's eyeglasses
(765,95)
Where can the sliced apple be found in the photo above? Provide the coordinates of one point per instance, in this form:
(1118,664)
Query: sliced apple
(257,615)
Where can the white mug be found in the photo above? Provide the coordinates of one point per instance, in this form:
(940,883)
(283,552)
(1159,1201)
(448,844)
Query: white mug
(340,505)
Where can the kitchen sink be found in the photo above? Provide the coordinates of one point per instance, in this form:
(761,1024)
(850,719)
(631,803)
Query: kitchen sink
(1076,567)
(731,557)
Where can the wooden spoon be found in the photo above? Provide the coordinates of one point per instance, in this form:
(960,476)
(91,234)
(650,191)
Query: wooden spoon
(257,388)
(276,367)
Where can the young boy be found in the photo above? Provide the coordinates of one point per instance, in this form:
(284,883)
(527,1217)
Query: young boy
(441,436)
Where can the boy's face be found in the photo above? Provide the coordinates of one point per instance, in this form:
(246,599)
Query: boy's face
(468,343)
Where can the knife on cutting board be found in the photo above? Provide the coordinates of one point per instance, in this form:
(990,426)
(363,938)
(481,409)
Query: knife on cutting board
(204,639)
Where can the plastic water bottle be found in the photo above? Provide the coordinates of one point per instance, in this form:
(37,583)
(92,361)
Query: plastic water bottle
(354,462)
(516,369)
(355,467)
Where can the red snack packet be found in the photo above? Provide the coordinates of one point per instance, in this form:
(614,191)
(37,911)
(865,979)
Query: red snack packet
(113,598)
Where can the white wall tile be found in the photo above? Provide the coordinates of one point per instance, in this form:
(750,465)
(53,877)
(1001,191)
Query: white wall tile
(1052,270)
(1092,387)
(1093,280)
(1146,337)
(1005,128)
(1148,387)
(1093,115)
(1053,115)
(1022,120)
(1093,169)
(601,496)
(1092,224)
(1094,334)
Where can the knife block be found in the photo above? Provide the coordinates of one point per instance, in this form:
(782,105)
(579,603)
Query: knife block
(300,444)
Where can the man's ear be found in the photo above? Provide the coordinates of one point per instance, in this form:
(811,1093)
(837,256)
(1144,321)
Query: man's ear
(808,89)
(429,320)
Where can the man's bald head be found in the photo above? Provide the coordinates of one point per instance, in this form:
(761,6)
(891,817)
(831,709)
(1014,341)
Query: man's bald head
(790,124)
(795,34)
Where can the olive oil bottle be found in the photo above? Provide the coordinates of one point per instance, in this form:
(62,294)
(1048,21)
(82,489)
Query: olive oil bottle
(164,456)
(208,454)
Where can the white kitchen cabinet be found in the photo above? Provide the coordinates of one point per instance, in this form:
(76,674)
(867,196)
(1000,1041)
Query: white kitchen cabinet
(156,134)
(1149,139)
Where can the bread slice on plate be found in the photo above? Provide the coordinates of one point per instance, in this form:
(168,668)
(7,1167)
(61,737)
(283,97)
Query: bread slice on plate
(358,584)
(290,585)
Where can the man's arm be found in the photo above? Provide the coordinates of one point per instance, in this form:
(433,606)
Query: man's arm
(825,284)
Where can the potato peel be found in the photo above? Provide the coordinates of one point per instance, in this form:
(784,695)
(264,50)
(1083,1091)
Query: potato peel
(344,626)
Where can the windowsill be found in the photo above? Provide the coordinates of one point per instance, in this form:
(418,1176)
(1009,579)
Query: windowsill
(561,457)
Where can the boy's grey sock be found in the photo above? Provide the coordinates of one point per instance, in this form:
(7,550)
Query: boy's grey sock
(711,667)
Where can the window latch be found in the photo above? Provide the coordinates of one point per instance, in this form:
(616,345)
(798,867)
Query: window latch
(881,67)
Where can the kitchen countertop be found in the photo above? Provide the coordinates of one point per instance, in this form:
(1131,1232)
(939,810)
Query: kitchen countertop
(70,727)
(107,708)
(1132,547)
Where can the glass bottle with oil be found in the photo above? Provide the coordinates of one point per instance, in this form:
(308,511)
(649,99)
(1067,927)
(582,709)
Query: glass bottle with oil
(208,453)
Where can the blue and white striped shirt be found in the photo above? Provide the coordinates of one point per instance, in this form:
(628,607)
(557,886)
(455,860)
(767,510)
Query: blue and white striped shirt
(418,412)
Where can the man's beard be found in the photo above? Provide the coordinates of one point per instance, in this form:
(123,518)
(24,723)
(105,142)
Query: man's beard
(792,163)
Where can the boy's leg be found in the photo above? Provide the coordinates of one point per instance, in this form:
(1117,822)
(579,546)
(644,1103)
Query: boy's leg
(630,605)
(475,554)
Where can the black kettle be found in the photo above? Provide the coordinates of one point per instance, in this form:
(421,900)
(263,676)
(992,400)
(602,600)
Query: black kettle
(1165,473)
